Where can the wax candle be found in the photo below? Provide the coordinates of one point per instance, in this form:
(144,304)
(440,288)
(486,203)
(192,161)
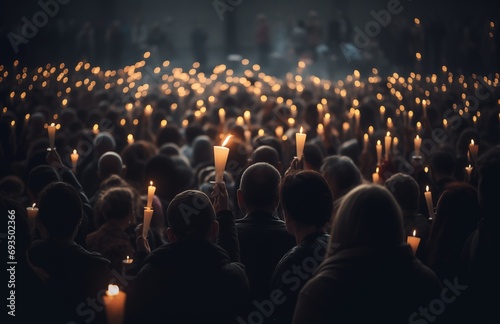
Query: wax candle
(376,176)
(388,141)
(293,110)
(320,129)
(428,199)
(222,116)
(32,213)
(279,131)
(468,169)
(220,158)
(390,124)
(382,112)
(345,128)
(410,117)
(419,127)
(417,142)
(52,134)
(128,260)
(300,141)
(74,159)
(473,148)
(148,111)
(365,140)
(114,301)
(424,107)
(378,146)
(247,116)
(414,241)
(371,130)
(151,193)
(445,123)
(95,129)
(327,119)
(395,142)
(291,122)
(240,121)
(130,139)
(146,222)
(320,110)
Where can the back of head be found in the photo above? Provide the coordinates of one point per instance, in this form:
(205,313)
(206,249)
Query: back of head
(442,164)
(169,149)
(341,174)
(109,163)
(306,198)
(169,134)
(368,216)
(260,187)
(104,142)
(313,156)
(267,154)
(489,179)
(202,150)
(40,177)
(270,141)
(116,203)
(405,189)
(190,215)
(60,210)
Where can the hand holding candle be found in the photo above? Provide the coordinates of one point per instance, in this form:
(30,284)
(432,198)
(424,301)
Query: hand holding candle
(220,158)
(300,141)
(114,300)
(414,241)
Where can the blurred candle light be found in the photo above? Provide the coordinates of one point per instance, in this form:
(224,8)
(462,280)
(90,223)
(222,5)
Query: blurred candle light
(74,160)
(130,139)
(468,169)
(300,140)
(240,121)
(327,119)
(95,129)
(366,139)
(247,116)
(114,302)
(419,127)
(376,176)
(279,131)
(378,146)
(320,129)
(148,111)
(222,116)
(371,130)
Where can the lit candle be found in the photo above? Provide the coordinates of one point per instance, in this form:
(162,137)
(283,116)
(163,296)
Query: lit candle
(130,139)
(376,176)
(148,111)
(128,260)
(74,159)
(390,124)
(414,241)
(388,141)
(410,117)
(424,107)
(240,121)
(151,193)
(291,122)
(468,169)
(428,199)
(345,128)
(320,110)
(114,301)
(473,148)
(357,116)
(320,129)
(300,140)
(222,116)
(220,158)
(365,139)
(146,222)
(32,213)
(247,116)
(293,110)
(445,123)
(417,142)
(327,119)
(382,112)
(279,131)
(95,129)
(371,130)
(419,127)
(378,146)
(395,142)
(52,134)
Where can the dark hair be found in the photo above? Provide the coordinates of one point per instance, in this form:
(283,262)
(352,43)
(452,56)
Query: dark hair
(267,154)
(306,198)
(190,215)
(40,177)
(405,189)
(116,203)
(341,174)
(270,141)
(60,210)
(169,134)
(260,186)
(313,156)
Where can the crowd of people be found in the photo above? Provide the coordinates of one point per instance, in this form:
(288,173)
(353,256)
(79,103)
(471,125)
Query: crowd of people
(281,239)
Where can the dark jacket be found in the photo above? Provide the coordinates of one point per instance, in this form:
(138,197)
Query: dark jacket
(263,242)
(191,281)
(74,275)
(294,270)
(368,285)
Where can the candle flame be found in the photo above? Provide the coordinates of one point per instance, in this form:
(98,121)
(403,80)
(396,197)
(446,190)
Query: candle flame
(150,183)
(33,206)
(427,188)
(417,137)
(414,232)
(113,290)
(379,142)
(226,140)
(128,258)
(388,134)
(52,125)
(471,142)
(301,129)
(74,152)
(377,170)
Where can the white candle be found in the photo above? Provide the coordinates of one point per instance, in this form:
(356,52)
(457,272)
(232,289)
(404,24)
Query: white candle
(417,142)
(148,110)
(357,116)
(300,140)
(74,159)
(414,241)
(146,222)
(473,148)
(376,176)
(114,301)
(130,139)
(240,121)
(220,158)
(327,119)
(390,124)
(419,127)
(378,146)
(468,169)
(52,134)
(32,213)
(247,116)
(388,141)
(151,193)
(424,107)
(320,129)
(428,199)
(279,131)
(222,116)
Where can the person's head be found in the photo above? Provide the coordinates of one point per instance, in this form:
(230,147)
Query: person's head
(341,174)
(405,190)
(313,157)
(12,186)
(117,205)
(104,142)
(267,154)
(169,134)
(307,200)
(169,149)
(39,178)
(60,211)
(270,141)
(202,150)
(442,164)
(259,188)
(110,163)
(368,216)
(192,132)
(489,179)
(190,215)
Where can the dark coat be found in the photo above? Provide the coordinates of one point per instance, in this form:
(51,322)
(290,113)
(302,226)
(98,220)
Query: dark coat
(368,285)
(294,270)
(263,242)
(190,281)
